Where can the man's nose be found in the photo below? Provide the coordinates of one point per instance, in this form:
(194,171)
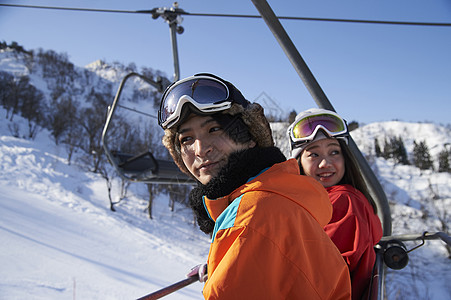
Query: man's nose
(202,147)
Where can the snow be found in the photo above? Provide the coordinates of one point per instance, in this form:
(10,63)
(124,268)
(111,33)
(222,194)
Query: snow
(420,200)
(61,241)
(9,63)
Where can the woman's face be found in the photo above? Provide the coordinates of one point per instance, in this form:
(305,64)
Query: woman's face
(324,161)
(205,147)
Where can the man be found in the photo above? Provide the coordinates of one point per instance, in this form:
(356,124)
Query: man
(265,220)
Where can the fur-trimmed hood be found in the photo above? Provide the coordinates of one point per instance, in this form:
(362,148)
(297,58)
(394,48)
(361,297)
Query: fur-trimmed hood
(253,117)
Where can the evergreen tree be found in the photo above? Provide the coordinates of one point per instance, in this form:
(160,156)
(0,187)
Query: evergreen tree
(394,148)
(388,152)
(443,161)
(399,151)
(390,148)
(292,116)
(353,125)
(377,148)
(421,156)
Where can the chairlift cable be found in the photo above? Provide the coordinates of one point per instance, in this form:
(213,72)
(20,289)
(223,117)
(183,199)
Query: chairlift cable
(137,111)
(233,15)
(71,8)
(323,19)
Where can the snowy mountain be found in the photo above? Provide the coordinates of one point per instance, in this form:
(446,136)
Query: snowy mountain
(60,240)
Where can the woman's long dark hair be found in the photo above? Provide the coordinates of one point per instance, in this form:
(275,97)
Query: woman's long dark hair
(352,174)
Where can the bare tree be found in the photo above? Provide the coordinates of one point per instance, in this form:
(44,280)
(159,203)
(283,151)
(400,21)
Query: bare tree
(149,205)
(103,171)
(32,108)
(92,120)
(63,117)
(17,92)
(440,212)
(6,84)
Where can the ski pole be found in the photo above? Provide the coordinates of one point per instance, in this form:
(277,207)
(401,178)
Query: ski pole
(171,288)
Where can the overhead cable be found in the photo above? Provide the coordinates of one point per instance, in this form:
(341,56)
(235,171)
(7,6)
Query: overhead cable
(233,15)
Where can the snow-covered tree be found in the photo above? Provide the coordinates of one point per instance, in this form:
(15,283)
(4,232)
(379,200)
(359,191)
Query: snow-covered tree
(421,156)
(443,161)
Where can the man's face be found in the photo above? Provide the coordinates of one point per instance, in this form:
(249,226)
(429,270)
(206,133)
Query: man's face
(205,147)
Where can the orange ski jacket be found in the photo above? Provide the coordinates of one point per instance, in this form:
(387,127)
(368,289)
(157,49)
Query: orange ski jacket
(269,242)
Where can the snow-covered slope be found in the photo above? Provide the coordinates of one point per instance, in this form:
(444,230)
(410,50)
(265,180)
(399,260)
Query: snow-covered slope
(59,240)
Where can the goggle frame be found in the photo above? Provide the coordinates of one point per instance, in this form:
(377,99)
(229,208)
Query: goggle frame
(297,142)
(169,119)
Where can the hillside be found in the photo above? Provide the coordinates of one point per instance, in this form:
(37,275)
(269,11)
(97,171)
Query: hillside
(61,241)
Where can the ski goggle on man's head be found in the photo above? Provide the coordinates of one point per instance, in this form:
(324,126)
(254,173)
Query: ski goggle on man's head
(307,124)
(203,94)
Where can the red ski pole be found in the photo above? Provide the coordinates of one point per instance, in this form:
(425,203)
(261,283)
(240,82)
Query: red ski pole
(172,288)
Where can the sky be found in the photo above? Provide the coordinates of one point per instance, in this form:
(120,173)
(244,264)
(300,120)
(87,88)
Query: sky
(369,72)
(59,240)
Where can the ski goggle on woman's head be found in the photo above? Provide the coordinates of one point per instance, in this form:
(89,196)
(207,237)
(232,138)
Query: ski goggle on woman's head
(306,126)
(203,94)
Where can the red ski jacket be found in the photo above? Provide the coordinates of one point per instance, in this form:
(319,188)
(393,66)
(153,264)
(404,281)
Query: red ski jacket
(355,229)
(269,242)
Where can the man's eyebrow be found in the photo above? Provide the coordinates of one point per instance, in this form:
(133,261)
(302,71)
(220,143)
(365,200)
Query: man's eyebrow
(206,122)
(203,124)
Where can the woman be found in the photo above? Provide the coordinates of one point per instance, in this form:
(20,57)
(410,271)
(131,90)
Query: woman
(267,243)
(319,143)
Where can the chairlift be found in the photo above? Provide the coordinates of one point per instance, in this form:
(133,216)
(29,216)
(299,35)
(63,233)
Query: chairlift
(143,167)
(390,251)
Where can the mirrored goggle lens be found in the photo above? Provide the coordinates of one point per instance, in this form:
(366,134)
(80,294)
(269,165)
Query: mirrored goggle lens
(306,127)
(203,91)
